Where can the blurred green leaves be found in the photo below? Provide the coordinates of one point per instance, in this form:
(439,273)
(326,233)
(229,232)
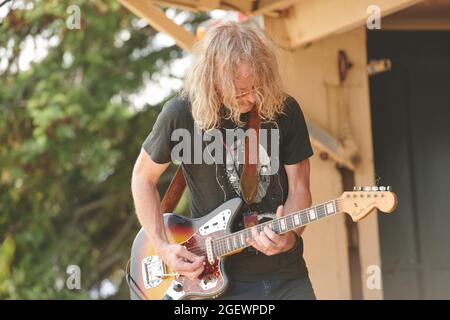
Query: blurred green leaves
(69,136)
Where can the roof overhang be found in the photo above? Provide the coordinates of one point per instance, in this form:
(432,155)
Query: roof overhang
(298,22)
(294,22)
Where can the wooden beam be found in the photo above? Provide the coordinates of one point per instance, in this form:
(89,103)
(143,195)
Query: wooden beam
(190,5)
(187,5)
(244,6)
(417,24)
(325,142)
(207,5)
(158,20)
(266,7)
(312,20)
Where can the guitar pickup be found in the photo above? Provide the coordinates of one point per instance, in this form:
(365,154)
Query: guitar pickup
(209,250)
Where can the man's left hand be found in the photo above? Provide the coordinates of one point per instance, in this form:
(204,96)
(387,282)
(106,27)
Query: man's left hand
(270,243)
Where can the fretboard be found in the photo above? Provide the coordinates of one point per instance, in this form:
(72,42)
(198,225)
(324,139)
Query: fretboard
(238,240)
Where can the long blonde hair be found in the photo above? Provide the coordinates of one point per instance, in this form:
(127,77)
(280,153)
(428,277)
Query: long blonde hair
(216,59)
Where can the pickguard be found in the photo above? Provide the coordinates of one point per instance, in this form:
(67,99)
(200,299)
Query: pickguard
(218,223)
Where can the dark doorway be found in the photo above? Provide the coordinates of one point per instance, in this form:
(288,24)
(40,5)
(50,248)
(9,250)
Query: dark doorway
(411,130)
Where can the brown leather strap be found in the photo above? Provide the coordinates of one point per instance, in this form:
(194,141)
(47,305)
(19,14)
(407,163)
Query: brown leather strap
(248,180)
(174,192)
(249,176)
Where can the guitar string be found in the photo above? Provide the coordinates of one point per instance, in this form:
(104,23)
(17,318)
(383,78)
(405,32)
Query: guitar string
(219,243)
(216,244)
(221,240)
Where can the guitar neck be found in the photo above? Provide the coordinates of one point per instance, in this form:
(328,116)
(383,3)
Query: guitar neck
(236,241)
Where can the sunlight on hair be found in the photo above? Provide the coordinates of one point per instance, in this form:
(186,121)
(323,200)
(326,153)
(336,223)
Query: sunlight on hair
(210,80)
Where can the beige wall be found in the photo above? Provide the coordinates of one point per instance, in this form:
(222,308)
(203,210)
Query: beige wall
(311,76)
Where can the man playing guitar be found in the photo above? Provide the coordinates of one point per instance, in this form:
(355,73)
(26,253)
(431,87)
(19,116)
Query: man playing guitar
(234,74)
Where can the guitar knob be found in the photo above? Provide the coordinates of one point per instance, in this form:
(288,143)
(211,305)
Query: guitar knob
(177,287)
(382,188)
(389,189)
(374,188)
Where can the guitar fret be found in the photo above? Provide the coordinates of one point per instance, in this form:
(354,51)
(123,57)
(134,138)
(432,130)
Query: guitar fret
(291,224)
(312,214)
(317,210)
(324,209)
(335,206)
(320,211)
(330,208)
(288,221)
(218,247)
(304,217)
(222,246)
(296,219)
(283,224)
(248,234)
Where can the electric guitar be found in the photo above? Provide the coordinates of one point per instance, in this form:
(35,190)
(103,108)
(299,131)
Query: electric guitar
(211,236)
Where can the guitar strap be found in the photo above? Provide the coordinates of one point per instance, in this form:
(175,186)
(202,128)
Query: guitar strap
(249,176)
(174,192)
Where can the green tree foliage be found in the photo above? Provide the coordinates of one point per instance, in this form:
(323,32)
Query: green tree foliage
(68,140)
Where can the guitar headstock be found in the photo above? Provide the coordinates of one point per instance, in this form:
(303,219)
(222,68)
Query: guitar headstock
(362,200)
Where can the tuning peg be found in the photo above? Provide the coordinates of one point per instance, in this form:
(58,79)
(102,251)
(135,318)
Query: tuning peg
(374,188)
(354,188)
(389,189)
(382,188)
(368,188)
(360,188)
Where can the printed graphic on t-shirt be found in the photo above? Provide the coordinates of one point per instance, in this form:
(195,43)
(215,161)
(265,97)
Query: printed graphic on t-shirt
(270,191)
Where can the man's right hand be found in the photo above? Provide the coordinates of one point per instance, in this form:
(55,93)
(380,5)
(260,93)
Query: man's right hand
(182,261)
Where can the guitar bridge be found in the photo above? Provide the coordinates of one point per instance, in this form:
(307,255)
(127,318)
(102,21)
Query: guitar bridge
(153,269)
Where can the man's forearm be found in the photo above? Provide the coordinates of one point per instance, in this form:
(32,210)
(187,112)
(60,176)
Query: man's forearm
(147,204)
(296,201)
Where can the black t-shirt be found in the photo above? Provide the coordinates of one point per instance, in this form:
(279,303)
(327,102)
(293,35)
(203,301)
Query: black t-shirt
(210,184)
